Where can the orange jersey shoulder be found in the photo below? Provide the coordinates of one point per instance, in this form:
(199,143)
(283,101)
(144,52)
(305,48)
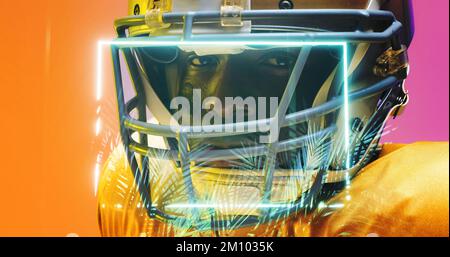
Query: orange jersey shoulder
(405,192)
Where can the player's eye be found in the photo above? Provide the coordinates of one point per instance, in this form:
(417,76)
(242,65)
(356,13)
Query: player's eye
(278,61)
(203,61)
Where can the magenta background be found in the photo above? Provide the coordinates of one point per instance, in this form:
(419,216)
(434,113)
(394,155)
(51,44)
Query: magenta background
(427,115)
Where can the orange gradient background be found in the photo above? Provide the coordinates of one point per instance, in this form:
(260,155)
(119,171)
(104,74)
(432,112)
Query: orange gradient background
(48,111)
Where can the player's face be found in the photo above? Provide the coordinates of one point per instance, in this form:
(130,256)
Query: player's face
(251,73)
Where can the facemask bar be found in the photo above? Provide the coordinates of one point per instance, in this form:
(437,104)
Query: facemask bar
(129,125)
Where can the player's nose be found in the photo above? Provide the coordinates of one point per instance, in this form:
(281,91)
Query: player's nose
(234,83)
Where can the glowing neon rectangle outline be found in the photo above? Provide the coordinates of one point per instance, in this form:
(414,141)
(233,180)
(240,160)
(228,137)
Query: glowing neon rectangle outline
(143,43)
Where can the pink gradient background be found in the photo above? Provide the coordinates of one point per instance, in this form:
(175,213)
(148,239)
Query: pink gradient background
(427,115)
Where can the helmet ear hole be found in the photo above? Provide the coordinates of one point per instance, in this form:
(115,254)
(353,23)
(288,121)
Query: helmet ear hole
(286,4)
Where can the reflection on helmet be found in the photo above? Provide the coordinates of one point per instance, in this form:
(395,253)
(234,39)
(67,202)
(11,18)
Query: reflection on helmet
(319,64)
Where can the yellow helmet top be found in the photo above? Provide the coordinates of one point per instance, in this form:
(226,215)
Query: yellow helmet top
(153,9)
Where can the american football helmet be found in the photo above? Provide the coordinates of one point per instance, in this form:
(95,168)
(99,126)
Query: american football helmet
(295,95)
